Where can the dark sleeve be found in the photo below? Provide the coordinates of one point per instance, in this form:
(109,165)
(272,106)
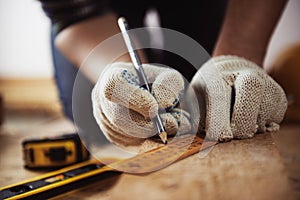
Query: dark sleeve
(63,13)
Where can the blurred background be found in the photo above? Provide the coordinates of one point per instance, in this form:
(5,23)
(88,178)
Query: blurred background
(25,57)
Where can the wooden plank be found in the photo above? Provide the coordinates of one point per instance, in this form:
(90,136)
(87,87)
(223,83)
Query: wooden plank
(287,141)
(240,169)
(30,94)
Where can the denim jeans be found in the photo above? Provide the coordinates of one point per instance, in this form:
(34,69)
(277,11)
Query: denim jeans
(76,103)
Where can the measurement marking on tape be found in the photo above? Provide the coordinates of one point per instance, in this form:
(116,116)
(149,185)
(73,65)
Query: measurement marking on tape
(160,157)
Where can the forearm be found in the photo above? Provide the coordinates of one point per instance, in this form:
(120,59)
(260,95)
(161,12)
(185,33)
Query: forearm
(247,28)
(78,40)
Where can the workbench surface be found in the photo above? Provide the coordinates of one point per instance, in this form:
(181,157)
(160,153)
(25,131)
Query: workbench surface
(265,167)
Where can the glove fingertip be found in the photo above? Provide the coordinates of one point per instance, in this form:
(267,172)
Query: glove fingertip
(146,105)
(273,127)
(167,87)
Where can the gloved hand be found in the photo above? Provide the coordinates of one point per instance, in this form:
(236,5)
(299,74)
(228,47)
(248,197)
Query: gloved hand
(123,109)
(237,99)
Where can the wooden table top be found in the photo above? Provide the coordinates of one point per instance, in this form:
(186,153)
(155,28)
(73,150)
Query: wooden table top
(265,167)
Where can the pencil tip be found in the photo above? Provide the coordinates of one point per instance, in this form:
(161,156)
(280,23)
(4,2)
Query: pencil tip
(163,137)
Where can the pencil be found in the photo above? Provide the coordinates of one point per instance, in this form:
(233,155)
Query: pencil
(141,74)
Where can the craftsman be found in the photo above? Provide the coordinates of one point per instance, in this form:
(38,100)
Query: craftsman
(234,32)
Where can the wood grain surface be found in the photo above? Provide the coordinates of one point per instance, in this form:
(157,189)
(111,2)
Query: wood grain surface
(265,167)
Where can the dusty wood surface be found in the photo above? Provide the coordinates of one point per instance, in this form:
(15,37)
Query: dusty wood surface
(30,94)
(241,169)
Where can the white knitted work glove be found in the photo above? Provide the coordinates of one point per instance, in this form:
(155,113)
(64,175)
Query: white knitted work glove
(237,99)
(123,109)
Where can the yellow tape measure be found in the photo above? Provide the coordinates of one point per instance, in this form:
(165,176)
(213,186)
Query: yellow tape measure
(66,179)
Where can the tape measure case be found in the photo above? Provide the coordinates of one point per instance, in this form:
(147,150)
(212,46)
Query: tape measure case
(51,152)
